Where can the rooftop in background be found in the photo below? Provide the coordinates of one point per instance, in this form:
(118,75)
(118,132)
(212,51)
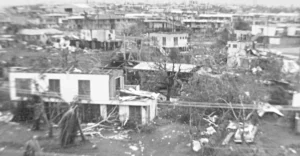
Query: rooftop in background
(169,33)
(106,17)
(152,66)
(215,15)
(69,70)
(54,15)
(39,31)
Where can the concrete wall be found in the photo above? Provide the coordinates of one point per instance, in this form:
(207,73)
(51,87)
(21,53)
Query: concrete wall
(284,40)
(265,30)
(99,85)
(182,39)
(292,31)
(296,100)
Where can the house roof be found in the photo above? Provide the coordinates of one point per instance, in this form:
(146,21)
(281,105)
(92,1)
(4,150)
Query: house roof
(72,70)
(215,15)
(152,66)
(75,17)
(40,31)
(54,15)
(82,5)
(107,16)
(204,21)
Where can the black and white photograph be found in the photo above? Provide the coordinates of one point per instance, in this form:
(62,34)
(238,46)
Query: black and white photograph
(150,78)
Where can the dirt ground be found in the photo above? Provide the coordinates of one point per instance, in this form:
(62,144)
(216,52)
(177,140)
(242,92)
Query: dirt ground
(170,139)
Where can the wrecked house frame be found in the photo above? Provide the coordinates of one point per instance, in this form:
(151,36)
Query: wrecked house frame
(97,92)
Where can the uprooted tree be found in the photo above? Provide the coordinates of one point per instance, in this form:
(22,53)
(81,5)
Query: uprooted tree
(70,126)
(165,75)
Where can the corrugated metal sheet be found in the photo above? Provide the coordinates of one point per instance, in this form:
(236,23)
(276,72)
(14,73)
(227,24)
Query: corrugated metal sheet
(152,66)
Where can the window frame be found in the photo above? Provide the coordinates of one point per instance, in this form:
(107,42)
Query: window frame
(54,90)
(176,42)
(164,41)
(20,89)
(83,93)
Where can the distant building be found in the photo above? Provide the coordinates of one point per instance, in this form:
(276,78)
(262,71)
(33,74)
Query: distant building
(97,40)
(118,23)
(169,40)
(99,35)
(53,19)
(159,25)
(141,16)
(242,35)
(279,34)
(73,8)
(237,54)
(203,24)
(96,90)
(37,35)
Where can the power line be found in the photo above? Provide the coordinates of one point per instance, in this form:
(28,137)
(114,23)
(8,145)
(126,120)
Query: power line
(177,104)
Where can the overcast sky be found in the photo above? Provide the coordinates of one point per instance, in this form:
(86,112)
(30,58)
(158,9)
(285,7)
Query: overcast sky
(262,2)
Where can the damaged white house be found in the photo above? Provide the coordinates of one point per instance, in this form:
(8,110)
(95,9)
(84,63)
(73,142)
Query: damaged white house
(98,92)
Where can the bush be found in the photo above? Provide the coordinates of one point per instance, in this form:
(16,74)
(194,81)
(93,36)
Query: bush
(21,112)
(148,128)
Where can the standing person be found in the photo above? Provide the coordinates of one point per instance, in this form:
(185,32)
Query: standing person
(39,112)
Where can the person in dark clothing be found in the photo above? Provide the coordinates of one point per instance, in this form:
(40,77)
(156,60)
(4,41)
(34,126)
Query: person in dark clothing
(32,147)
(39,112)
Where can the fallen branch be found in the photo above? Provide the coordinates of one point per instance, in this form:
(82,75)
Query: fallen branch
(104,120)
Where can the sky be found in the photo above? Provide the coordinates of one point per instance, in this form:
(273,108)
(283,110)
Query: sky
(261,2)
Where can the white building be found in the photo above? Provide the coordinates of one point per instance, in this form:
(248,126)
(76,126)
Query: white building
(100,35)
(170,39)
(279,34)
(237,51)
(97,89)
(276,30)
(204,23)
(37,35)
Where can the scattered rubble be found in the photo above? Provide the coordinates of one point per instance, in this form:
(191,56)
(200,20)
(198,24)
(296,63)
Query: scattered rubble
(265,108)
(246,130)
(6,117)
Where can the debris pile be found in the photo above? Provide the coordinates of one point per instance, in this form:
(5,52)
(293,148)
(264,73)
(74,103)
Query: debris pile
(6,117)
(132,94)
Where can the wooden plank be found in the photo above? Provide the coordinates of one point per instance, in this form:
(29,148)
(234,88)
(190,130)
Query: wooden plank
(227,138)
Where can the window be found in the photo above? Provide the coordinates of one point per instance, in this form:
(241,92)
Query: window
(229,45)
(297,32)
(176,41)
(164,41)
(135,114)
(118,83)
(262,30)
(54,85)
(84,89)
(234,46)
(23,87)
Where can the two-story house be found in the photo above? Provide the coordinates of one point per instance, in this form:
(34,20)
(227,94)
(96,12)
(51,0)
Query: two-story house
(97,91)
(168,40)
